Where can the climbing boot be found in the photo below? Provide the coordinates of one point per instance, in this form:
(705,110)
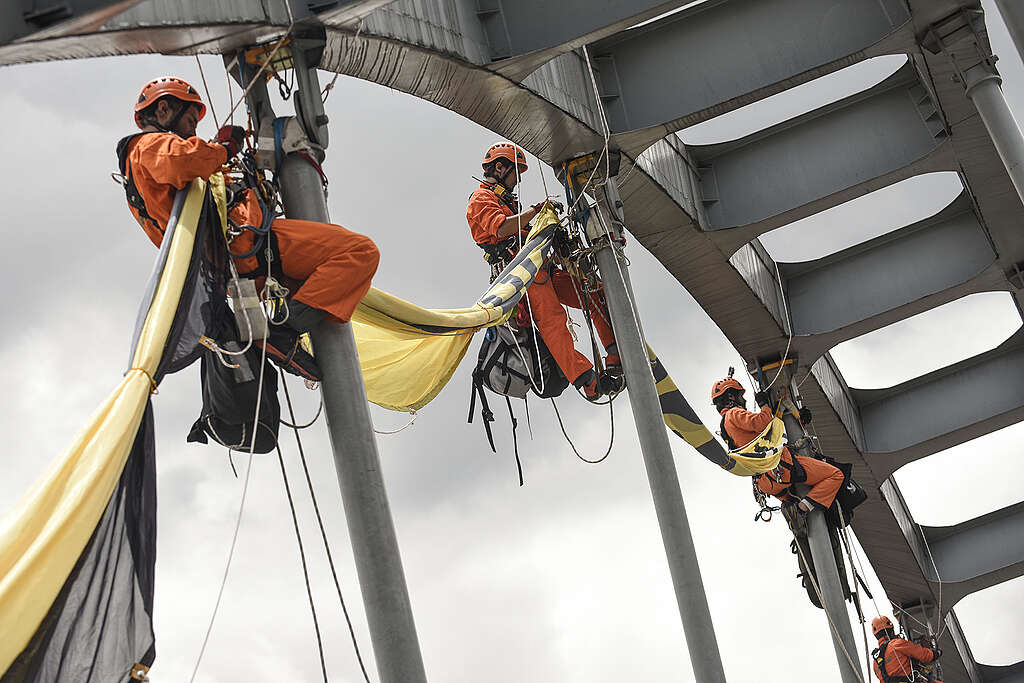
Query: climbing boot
(610,382)
(302,317)
(284,349)
(588,384)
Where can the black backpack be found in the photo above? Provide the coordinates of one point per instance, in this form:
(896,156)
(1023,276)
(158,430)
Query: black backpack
(229,401)
(851,494)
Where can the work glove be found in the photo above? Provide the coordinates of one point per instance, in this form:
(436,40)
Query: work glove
(805,416)
(232,137)
(557,206)
(761,398)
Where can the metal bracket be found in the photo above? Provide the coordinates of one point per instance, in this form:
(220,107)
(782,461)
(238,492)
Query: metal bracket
(592,168)
(1015,276)
(947,35)
(293,140)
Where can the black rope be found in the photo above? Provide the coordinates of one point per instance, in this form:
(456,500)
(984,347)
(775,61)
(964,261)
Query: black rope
(323,535)
(308,424)
(305,568)
(611,440)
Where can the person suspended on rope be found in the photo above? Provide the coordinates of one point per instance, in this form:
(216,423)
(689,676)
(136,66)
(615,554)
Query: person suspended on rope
(326,268)
(741,426)
(894,658)
(498,222)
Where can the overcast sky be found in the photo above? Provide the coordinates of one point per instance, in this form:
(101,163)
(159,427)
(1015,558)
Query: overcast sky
(562,580)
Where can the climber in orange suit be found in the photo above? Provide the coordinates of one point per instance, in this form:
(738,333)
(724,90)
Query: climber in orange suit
(327,267)
(496,220)
(894,658)
(741,426)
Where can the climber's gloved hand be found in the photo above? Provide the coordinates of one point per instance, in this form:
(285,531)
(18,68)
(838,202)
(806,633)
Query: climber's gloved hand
(557,206)
(232,137)
(761,398)
(937,652)
(805,416)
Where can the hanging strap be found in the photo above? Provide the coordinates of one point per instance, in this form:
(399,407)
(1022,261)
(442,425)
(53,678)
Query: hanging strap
(485,411)
(515,442)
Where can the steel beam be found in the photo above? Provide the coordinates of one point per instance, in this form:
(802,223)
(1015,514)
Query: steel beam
(1012,673)
(45,20)
(888,272)
(686,68)
(1013,16)
(804,165)
(953,638)
(944,402)
(976,554)
(515,28)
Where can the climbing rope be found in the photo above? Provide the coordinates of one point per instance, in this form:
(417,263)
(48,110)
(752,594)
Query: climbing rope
(270,58)
(305,566)
(209,98)
(611,439)
(323,533)
(831,623)
(789,327)
(241,508)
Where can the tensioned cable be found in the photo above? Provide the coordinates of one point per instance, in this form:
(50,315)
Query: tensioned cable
(323,534)
(305,566)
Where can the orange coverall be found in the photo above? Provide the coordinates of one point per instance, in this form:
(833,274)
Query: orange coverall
(898,654)
(485,214)
(330,268)
(825,480)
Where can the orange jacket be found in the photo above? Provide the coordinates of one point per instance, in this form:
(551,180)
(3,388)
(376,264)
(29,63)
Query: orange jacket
(485,214)
(898,656)
(744,426)
(824,479)
(163,163)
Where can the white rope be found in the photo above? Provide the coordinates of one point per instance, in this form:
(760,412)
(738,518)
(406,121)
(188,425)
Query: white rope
(402,428)
(529,306)
(789,327)
(831,623)
(241,506)
(209,98)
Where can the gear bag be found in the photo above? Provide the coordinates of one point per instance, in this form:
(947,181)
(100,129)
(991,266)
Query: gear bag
(507,361)
(851,494)
(229,402)
(512,364)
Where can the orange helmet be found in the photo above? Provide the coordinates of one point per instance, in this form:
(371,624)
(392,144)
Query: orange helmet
(507,151)
(167,87)
(723,385)
(879,624)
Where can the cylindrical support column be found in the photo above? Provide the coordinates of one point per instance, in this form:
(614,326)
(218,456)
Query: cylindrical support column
(371,529)
(983,87)
(1013,15)
(657,452)
(825,568)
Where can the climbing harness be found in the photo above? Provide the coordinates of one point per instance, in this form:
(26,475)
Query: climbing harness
(126,179)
